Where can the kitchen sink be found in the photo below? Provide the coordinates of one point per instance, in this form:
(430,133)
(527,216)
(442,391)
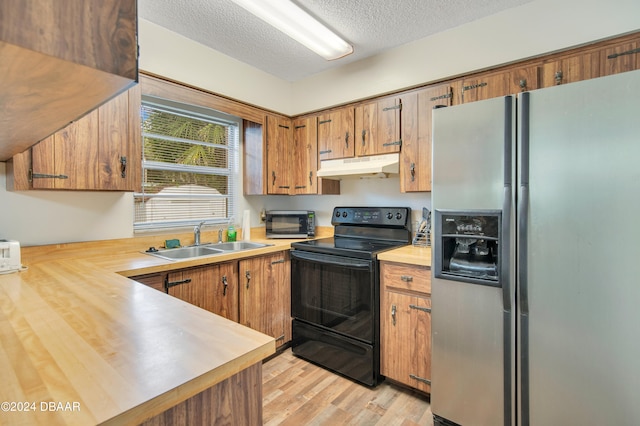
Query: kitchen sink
(191,252)
(238,245)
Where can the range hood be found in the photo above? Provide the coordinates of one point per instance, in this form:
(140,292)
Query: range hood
(360,167)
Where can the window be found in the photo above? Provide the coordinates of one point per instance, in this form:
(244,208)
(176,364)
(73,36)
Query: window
(189,165)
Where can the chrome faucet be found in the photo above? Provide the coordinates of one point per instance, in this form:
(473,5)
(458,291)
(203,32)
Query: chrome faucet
(196,234)
(220,235)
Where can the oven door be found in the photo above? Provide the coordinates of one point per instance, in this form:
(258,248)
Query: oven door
(335,292)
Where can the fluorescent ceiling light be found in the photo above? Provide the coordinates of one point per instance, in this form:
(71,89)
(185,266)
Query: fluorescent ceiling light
(299,25)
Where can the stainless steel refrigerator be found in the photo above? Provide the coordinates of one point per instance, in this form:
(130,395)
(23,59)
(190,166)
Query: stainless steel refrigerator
(536,257)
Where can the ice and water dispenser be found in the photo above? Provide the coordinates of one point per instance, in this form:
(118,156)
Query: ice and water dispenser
(467,246)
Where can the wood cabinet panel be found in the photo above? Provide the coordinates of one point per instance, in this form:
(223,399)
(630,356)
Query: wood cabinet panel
(279,159)
(212,287)
(407,277)
(498,84)
(377,127)
(405,324)
(265,295)
(305,156)
(88,154)
(570,69)
(415,157)
(619,58)
(336,134)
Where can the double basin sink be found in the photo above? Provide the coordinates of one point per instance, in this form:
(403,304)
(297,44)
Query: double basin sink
(190,252)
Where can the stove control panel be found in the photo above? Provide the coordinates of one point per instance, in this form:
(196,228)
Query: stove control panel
(372,216)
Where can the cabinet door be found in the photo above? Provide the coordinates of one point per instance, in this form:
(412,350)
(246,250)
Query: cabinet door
(265,295)
(415,157)
(305,156)
(570,69)
(620,58)
(406,339)
(120,142)
(279,146)
(335,134)
(67,159)
(378,127)
(500,84)
(211,287)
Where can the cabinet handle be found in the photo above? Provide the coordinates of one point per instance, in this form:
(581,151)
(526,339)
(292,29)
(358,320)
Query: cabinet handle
(248,275)
(327,151)
(393,313)
(324,121)
(283,126)
(346,140)
(523,85)
(277,261)
(558,77)
(628,52)
(123,167)
(33,176)
(168,284)
(283,186)
(273,176)
(364,133)
(406,278)
(280,338)
(413,171)
(399,106)
(311,179)
(420,379)
(399,143)
(474,86)
(300,186)
(302,126)
(420,308)
(225,284)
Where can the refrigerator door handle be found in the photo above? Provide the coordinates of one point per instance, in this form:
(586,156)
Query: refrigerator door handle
(523,205)
(505,277)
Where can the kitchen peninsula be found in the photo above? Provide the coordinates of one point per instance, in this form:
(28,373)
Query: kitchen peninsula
(82,344)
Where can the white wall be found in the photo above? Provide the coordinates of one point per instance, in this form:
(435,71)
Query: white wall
(42,217)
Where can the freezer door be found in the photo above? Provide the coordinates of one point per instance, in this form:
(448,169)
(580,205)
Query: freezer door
(580,287)
(473,347)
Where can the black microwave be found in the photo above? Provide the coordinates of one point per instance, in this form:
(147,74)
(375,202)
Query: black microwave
(290,224)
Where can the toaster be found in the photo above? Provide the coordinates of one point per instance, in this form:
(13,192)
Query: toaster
(9,256)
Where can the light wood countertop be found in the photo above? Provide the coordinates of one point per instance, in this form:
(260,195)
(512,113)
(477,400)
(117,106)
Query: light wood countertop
(77,333)
(410,254)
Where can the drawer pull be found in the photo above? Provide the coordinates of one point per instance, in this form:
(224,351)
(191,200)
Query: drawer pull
(406,278)
(277,261)
(248,276)
(420,308)
(168,284)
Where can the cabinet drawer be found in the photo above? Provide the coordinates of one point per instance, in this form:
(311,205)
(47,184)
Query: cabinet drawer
(409,277)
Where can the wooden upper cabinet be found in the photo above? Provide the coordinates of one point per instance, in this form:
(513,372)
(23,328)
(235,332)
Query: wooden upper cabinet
(498,84)
(377,127)
(570,69)
(100,151)
(620,57)
(68,158)
(415,157)
(336,134)
(279,142)
(305,156)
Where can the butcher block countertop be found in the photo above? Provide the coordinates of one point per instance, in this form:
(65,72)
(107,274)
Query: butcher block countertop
(82,344)
(412,255)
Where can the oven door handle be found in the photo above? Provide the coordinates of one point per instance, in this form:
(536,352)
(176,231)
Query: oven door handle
(331,259)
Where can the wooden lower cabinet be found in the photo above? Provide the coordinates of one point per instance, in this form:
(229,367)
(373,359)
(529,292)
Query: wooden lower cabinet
(265,295)
(405,324)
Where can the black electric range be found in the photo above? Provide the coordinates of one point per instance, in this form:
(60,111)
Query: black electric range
(335,290)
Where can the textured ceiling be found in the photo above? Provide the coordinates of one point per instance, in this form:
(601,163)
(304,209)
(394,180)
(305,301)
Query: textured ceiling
(371,26)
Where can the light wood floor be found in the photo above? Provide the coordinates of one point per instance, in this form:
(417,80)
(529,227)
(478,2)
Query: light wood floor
(296,392)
